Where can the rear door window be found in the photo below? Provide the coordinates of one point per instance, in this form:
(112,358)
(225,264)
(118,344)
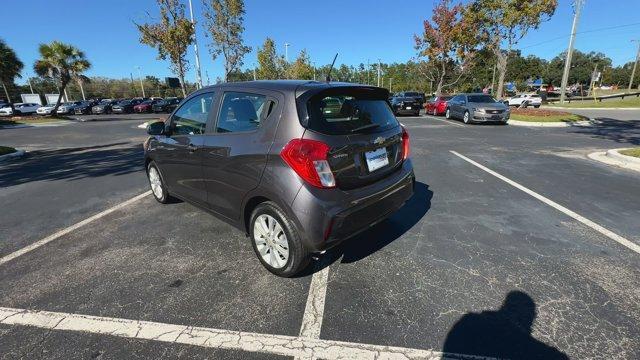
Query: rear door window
(242,111)
(342,114)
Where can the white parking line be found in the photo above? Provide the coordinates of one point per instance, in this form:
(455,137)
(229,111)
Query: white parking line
(69,229)
(314,310)
(296,346)
(443,119)
(608,233)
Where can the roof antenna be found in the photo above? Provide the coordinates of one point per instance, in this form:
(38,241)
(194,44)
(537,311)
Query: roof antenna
(331,68)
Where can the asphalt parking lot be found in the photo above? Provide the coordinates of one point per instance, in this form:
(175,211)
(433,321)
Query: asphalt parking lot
(515,243)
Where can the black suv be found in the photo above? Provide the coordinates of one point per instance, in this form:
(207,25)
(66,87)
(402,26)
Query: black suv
(298,165)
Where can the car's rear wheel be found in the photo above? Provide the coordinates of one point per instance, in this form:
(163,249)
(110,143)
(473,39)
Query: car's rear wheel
(158,189)
(536,106)
(276,241)
(466,118)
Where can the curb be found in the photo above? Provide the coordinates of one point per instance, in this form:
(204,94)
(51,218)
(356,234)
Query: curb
(588,108)
(15,154)
(557,124)
(50,124)
(613,157)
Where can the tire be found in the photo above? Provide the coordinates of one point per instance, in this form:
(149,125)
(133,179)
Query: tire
(447,114)
(465,118)
(156,184)
(417,113)
(536,106)
(270,249)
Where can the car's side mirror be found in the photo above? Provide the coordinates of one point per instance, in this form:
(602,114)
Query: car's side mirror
(156,128)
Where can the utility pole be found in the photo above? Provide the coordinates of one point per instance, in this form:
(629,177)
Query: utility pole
(390,82)
(635,65)
(254,73)
(141,83)
(314,70)
(577,9)
(195,49)
(379,72)
(368,68)
(286,52)
(493,78)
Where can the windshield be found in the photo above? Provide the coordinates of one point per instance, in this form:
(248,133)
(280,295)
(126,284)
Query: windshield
(481,99)
(345,114)
(124,102)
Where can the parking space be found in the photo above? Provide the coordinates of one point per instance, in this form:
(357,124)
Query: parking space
(470,265)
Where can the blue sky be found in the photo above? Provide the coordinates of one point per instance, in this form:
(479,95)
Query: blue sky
(358,30)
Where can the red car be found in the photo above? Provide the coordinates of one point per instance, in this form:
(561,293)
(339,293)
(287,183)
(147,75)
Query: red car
(145,106)
(437,105)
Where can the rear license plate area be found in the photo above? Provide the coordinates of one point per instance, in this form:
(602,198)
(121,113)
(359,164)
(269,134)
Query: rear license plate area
(376,159)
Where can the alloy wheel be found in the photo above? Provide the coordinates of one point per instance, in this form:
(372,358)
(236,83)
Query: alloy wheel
(155,182)
(271,241)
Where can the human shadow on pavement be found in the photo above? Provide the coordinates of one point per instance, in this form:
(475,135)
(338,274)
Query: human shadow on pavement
(505,333)
(625,132)
(73,163)
(379,235)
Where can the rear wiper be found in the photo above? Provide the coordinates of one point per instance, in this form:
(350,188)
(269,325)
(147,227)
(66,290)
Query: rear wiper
(365,127)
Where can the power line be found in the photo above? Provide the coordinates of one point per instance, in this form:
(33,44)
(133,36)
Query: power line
(579,33)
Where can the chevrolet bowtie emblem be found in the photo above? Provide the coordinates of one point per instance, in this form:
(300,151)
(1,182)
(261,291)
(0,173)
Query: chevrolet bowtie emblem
(379,140)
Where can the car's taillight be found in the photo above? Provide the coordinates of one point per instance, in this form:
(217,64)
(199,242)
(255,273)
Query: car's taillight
(308,158)
(405,143)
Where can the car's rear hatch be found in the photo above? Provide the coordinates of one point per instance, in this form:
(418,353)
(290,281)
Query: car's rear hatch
(357,123)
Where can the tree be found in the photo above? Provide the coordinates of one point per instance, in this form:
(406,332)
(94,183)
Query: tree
(301,68)
(10,66)
(268,64)
(171,37)
(60,62)
(223,20)
(507,21)
(77,69)
(447,42)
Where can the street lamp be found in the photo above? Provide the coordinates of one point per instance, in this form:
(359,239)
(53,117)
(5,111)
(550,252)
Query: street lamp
(286,51)
(141,83)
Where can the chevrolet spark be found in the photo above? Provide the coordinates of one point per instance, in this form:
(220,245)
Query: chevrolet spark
(299,166)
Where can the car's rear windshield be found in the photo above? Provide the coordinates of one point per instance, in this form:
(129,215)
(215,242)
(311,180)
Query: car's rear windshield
(348,113)
(481,99)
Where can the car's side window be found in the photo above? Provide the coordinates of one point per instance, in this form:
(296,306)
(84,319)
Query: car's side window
(191,118)
(241,111)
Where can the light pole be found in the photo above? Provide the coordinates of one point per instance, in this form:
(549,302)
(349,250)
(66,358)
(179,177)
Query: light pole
(635,65)
(314,70)
(141,83)
(577,7)
(286,52)
(195,49)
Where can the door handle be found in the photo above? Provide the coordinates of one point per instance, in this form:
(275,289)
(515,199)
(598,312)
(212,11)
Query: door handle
(192,148)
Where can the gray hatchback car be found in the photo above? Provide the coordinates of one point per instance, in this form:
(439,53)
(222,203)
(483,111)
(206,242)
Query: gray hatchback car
(477,108)
(298,165)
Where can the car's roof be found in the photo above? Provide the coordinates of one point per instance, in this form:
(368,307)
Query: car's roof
(298,86)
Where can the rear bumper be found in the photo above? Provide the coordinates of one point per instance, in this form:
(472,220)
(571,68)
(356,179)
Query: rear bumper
(330,216)
(408,111)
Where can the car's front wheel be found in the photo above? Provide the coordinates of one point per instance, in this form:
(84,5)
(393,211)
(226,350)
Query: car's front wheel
(447,114)
(276,241)
(466,117)
(158,189)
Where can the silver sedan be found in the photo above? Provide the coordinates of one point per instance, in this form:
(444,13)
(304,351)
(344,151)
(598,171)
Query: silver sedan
(477,108)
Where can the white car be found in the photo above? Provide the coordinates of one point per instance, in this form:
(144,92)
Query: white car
(45,110)
(19,109)
(534,100)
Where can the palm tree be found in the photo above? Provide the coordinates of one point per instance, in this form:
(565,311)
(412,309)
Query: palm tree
(62,63)
(10,67)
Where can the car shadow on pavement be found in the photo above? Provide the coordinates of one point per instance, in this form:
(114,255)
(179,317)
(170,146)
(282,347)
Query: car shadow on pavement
(505,333)
(621,131)
(73,163)
(379,235)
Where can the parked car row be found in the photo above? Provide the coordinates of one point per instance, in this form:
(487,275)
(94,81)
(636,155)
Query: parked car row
(97,106)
